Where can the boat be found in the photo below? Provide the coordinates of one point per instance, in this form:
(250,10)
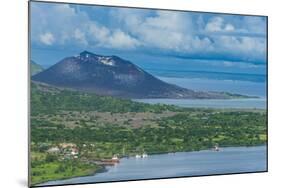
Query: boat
(144,155)
(216,148)
(111,161)
(115,159)
(138,156)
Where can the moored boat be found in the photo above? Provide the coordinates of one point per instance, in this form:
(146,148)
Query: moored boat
(144,155)
(216,148)
(138,156)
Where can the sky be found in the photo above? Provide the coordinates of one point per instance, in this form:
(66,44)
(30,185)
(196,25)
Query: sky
(150,38)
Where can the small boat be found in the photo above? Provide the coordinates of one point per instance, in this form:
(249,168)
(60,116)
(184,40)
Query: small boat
(216,148)
(111,161)
(115,159)
(144,155)
(138,156)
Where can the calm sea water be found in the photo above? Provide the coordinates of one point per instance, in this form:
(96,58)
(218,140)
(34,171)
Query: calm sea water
(179,73)
(233,86)
(206,162)
(258,103)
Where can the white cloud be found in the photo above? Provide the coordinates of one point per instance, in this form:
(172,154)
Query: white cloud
(71,27)
(163,30)
(229,27)
(215,24)
(180,32)
(248,26)
(218,24)
(254,24)
(186,33)
(121,40)
(47,38)
(111,39)
(80,36)
(166,30)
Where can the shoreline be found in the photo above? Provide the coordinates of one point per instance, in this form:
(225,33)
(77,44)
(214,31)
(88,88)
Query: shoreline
(213,104)
(103,167)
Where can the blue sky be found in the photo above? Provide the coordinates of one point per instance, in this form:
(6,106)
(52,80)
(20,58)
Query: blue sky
(150,38)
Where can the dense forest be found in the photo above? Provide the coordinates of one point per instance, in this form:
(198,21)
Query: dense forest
(49,100)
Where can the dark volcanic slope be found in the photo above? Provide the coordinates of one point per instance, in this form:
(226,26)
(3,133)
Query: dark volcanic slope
(111,75)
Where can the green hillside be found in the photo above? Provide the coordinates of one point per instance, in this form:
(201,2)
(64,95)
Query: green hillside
(35,68)
(101,127)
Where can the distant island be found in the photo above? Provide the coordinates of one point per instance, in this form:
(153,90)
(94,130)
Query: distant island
(114,76)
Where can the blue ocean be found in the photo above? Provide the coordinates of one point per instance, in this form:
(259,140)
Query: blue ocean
(239,83)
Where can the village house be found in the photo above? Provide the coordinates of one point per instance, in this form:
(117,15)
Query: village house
(74,151)
(67,145)
(69,150)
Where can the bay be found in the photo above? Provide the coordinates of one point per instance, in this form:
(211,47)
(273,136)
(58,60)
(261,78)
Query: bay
(205,162)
